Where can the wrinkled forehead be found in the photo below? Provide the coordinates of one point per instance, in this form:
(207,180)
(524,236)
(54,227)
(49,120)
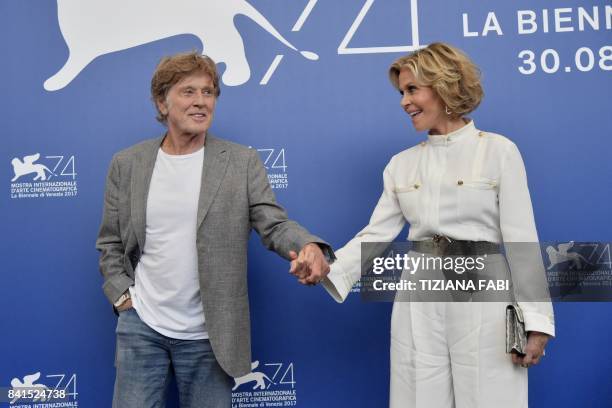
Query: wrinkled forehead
(197,79)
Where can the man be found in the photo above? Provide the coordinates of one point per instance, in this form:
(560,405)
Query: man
(178,212)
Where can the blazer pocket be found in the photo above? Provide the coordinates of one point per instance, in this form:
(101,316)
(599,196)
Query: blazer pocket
(409,198)
(476,200)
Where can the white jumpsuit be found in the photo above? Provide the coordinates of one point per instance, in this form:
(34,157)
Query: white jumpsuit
(468,185)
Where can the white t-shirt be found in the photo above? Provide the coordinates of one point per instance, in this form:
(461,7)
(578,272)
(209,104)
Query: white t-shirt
(166,293)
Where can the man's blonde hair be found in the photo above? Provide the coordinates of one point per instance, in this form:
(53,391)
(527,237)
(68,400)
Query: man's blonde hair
(173,69)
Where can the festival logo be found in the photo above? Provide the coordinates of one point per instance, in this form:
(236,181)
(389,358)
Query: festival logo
(30,390)
(562,254)
(50,176)
(27,166)
(271,385)
(256,377)
(95,28)
(276,165)
(579,270)
(344,48)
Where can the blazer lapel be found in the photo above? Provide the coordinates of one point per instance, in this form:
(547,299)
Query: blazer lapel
(216,159)
(142,171)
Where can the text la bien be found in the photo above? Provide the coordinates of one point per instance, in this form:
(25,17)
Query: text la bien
(555,20)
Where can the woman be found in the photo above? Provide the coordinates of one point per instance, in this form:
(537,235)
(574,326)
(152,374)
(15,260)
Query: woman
(464,185)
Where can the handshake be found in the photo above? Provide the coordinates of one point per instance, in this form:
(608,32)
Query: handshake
(309,266)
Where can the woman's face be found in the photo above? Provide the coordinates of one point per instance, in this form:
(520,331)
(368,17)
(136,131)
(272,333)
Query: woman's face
(422,104)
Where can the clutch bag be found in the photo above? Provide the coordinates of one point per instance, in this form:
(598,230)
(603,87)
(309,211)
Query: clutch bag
(516,336)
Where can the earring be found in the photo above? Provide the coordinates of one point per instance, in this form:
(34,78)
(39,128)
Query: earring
(448,112)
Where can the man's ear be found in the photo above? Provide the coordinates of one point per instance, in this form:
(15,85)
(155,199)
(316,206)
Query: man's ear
(162,106)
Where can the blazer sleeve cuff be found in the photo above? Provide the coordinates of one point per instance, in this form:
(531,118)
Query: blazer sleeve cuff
(116,286)
(330,256)
(327,250)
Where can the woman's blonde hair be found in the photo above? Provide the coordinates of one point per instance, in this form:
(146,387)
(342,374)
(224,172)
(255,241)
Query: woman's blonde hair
(448,71)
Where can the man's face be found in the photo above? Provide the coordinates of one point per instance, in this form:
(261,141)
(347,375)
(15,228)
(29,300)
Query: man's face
(189,105)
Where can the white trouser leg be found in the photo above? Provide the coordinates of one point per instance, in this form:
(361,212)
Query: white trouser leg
(483,374)
(420,363)
(452,355)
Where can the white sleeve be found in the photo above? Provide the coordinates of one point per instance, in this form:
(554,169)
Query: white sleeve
(386,222)
(521,241)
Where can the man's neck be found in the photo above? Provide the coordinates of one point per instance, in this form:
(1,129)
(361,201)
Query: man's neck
(182,144)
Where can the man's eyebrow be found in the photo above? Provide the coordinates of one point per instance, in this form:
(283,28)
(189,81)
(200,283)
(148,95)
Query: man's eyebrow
(207,87)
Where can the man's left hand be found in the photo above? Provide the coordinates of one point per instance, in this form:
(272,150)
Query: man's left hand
(310,266)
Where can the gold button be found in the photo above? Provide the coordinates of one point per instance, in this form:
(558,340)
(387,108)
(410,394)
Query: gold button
(416,186)
(481,134)
(460,182)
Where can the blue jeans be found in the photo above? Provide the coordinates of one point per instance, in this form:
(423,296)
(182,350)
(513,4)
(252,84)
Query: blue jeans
(146,361)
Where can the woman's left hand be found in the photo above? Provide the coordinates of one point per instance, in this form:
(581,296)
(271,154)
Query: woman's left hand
(534,350)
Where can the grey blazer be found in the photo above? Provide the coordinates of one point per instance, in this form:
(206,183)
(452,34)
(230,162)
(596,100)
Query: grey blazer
(235,196)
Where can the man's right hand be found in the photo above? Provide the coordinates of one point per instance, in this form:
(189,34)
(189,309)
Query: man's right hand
(310,267)
(125,306)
